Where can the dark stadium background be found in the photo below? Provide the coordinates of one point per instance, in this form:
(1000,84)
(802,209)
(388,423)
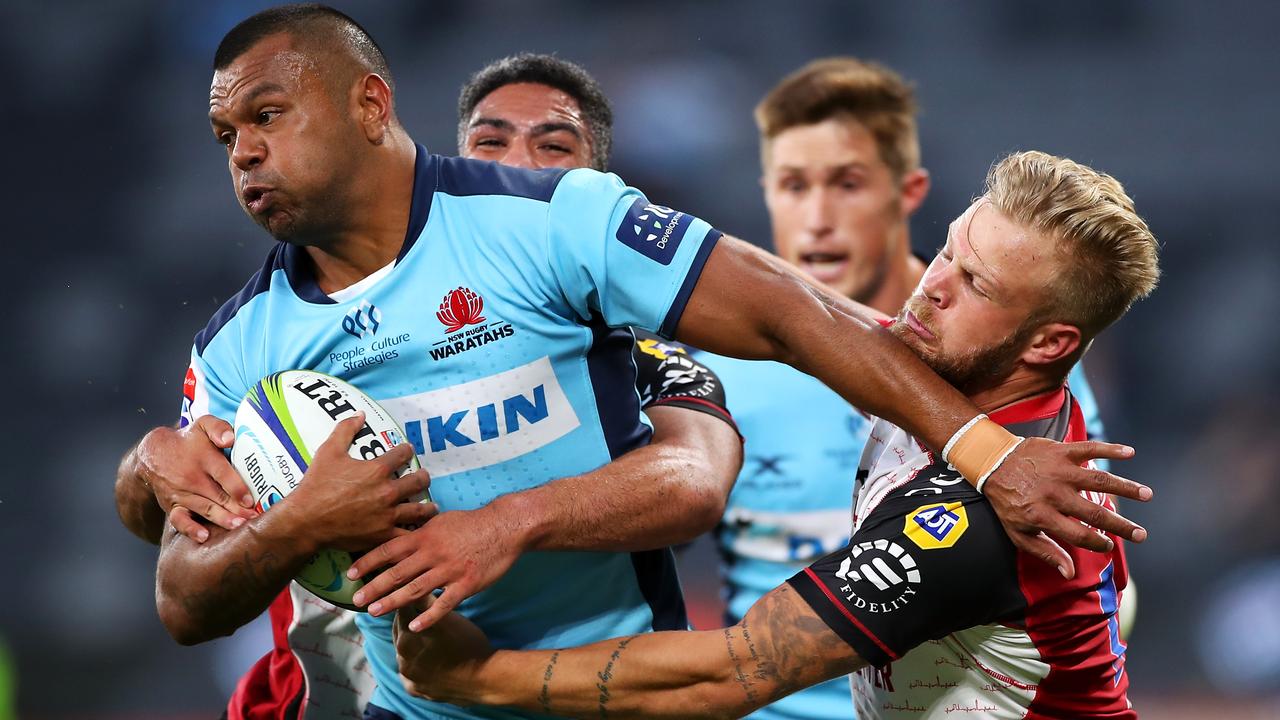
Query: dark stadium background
(121,238)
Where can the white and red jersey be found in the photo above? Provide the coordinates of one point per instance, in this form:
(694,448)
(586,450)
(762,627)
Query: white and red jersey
(316,669)
(950,616)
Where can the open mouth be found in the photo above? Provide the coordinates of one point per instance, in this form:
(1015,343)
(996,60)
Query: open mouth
(824,266)
(257,198)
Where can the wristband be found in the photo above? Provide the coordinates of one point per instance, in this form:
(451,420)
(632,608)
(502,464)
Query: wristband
(982,481)
(978,448)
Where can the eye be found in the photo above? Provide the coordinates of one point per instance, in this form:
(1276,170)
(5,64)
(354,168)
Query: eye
(849,184)
(265,117)
(792,185)
(226,138)
(552,147)
(943,253)
(489,143)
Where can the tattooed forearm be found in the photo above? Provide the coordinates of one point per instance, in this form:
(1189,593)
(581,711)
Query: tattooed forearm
(545,697)
(256,580)
(741,677)
(606,675)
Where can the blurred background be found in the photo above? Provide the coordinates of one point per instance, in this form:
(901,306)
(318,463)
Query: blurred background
(123,237)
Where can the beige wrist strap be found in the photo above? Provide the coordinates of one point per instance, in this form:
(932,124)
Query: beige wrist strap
(978,448)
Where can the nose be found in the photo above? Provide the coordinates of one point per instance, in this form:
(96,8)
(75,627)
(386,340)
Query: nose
(520,155)
(935,286)
(817,212)
(248,152)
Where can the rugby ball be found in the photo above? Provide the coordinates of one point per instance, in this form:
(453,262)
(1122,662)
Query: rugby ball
(279,425)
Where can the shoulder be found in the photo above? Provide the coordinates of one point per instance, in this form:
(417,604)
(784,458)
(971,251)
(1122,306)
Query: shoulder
(463,177)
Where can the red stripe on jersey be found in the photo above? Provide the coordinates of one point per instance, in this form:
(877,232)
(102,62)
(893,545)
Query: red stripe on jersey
(1040,407)
(719,411)
(273,687)
(1065,621)
(845,611)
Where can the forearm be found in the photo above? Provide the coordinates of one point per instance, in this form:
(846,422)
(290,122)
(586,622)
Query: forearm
(666,493)
(750,304)
(135,503)
(208,590)
(779,648)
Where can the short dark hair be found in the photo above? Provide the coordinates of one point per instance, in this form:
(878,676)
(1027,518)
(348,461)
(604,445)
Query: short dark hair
(308,22)
(553,72)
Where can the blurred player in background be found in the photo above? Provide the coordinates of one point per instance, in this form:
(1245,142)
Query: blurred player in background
(841,177)
(302,99)
(929,590)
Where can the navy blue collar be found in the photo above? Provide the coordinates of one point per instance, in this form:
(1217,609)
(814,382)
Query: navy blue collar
(297,265)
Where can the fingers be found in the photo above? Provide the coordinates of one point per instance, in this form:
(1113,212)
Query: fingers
(343,433)
(442,606)
(231,488)
(1103,519)
(392,551)
(412,486)
(182,521)
(414,514)
(1040,546)
(397,457)
(1105,482)
(219,431)
(1094,449)
(420,586)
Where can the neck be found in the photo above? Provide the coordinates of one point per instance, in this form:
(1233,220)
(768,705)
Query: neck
(1021,384)
(900,279)
(374,234)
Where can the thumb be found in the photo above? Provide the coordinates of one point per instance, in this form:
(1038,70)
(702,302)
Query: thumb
(220,432)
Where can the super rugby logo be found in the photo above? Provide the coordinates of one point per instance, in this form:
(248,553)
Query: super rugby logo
(362,320)
(879,576)
(654,231)
(459,308)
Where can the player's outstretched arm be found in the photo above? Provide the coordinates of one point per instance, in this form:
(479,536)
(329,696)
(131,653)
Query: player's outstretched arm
(180,474)
(750,304)
(207,590)
(668,492)
(781,646)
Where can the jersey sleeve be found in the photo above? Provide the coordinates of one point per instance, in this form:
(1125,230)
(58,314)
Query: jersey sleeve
(616,255)
(930,560)
(667,375)
(204,393)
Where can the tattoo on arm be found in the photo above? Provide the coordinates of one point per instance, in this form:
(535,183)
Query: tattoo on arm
(545,697)
(257,577)
(744,682)
(606,675)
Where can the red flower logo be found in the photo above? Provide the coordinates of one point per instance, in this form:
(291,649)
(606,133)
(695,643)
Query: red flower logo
(460,307)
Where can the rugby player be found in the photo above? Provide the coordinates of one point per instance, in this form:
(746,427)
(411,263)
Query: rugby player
(929,591)
(676,485)
(302,99)
(841,178)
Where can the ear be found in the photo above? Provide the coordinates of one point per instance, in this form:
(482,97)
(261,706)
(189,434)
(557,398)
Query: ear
(373,107)
(1051,343)
(915,186)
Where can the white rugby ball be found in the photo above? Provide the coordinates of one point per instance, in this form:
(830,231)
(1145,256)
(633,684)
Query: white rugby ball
(279,425)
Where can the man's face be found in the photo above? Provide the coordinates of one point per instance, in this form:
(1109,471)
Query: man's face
(289,139)
(528,125)
(836,209)
(976,307)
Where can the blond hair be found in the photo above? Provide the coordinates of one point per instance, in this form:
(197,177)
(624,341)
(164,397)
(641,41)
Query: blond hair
(869,93)
(1110,258)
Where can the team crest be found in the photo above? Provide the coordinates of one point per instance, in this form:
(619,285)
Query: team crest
(459,308)
(462,307)
(936,526)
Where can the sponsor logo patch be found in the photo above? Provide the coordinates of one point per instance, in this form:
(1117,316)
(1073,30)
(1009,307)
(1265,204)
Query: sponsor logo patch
(878,576)
(362,320)
(486,421)
(936,526)
(654,231)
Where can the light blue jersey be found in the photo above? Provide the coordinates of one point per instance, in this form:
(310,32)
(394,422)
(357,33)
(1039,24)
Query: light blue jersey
(792,503)
(490,341)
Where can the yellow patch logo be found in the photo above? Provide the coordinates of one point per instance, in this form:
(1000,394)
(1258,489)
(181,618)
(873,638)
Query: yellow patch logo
(936,526)
(660,350)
